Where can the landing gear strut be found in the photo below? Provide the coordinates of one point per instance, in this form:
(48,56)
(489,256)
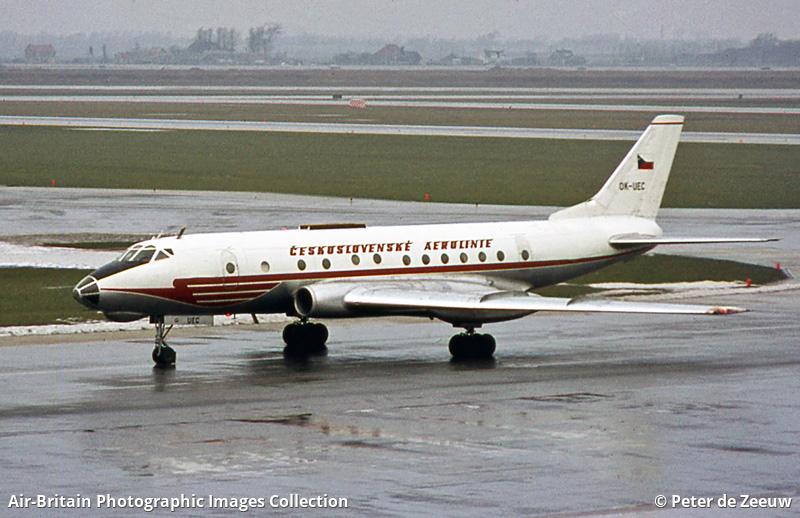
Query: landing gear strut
(305,338)
(163,354)
(472,346)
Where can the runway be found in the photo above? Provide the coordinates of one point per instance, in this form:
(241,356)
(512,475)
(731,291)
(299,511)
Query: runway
(125,124)
(402,103)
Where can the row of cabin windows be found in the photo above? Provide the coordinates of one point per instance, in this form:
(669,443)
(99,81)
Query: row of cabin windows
(356,260)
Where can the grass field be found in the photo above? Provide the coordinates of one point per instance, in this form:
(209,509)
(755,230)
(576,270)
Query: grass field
(40,296)
(635,120)
(44,295)
(492,77)
(450,169)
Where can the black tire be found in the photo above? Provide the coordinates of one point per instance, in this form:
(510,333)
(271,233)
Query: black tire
(456,345)
(321,333)
(472,347)
(164,356)
(290,333)
(488,346)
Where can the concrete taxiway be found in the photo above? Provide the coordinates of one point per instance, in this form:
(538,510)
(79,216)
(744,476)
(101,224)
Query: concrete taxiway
(577,415)
(126,124)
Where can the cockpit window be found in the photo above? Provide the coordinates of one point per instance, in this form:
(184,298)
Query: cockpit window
(128,254)
(161,255)
(145,254)
(138,254)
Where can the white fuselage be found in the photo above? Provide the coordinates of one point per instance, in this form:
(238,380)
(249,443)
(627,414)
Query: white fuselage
(259,272)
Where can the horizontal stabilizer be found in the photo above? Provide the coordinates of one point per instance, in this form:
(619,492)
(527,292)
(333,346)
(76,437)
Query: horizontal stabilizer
(390,297)
(634,240)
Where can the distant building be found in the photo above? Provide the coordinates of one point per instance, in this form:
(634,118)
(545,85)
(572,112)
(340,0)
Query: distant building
(40,53)
(492,55)
(394,55)
(388,55)
(452,59)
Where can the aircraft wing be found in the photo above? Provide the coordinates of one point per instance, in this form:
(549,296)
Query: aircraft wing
(462,298)
(633,240)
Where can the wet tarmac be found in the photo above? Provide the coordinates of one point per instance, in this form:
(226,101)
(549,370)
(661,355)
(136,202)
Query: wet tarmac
(577,415)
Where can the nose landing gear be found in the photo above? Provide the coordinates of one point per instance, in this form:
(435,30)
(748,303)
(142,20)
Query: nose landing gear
(305,338)
(163,354)
(472,346)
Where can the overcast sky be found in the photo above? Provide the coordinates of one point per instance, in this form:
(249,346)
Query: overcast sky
(526,19)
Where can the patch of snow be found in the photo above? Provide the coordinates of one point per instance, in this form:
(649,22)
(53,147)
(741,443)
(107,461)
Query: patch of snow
(13,255)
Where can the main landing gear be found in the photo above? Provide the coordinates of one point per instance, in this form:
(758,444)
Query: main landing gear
(472,346)
(163,354)
(305,338)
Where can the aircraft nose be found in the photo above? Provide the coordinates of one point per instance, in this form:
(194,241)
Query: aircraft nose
(87,292)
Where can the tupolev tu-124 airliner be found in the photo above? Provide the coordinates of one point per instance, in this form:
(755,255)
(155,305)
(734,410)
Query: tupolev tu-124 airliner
(467,274)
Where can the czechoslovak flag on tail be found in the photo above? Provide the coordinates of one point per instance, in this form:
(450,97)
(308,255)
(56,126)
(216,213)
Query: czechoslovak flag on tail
(644,164)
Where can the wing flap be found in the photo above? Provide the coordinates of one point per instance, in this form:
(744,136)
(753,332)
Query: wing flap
(398,298)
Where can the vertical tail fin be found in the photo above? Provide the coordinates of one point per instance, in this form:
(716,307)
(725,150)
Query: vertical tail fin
(637,184)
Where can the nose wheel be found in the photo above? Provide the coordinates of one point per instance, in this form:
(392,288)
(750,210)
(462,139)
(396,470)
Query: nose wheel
(163,354)
(472,346)
(305,339)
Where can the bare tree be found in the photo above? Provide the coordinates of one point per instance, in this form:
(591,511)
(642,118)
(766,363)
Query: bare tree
(259,39)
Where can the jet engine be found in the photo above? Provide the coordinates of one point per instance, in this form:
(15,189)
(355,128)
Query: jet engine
(324,300)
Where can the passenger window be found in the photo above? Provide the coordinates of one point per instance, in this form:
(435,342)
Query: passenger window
(426,259)
(482,256)
(406,260)
(500,255)
(355,259)
(376,258)
(445,259)
(326,263)
(526,255)
(264,266)
(301,265)
(463,257)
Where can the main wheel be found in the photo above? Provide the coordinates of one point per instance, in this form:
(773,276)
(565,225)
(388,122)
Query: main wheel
(472,346)
(291,333)
(305,339)
(320,333)
(487,346)
(457,345)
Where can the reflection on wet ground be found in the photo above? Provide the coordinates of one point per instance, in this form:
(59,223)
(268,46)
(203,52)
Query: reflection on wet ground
(576,414)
